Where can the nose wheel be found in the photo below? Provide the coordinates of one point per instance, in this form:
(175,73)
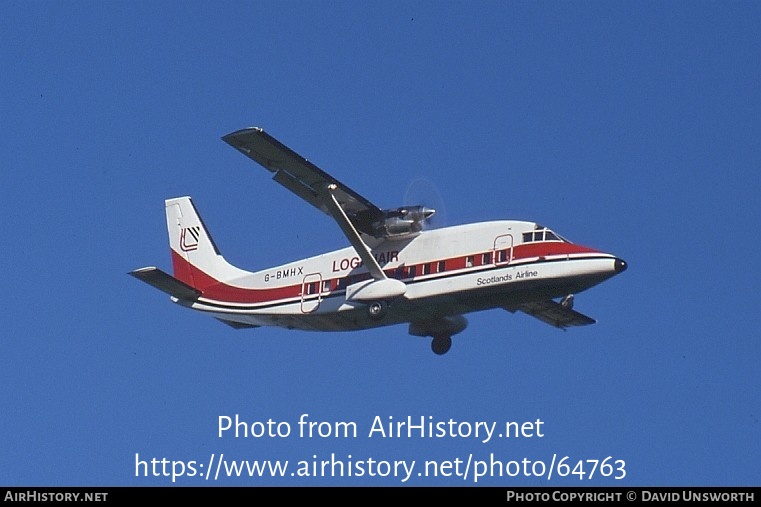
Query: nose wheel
(441,344)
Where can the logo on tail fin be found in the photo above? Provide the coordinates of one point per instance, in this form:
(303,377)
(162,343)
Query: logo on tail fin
(189,238)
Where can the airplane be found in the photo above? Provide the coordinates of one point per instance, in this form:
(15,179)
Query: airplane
(395,271)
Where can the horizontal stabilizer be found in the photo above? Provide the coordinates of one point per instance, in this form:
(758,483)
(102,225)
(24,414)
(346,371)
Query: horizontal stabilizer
(166,283)
(553,314)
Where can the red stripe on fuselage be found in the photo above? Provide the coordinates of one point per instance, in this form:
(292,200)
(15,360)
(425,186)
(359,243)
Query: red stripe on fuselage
(212,288)
(545,249)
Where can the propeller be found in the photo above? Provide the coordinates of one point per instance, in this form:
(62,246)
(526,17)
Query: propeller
(423,192)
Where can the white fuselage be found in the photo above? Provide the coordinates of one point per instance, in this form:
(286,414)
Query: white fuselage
(448,271)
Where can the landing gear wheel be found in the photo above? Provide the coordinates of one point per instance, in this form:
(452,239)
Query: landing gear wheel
(377,309)
(441,344)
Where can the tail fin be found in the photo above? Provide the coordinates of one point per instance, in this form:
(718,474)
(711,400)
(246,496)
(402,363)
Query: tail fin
(196,260)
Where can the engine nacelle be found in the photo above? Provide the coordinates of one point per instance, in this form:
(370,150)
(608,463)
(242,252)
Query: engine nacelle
(402,221)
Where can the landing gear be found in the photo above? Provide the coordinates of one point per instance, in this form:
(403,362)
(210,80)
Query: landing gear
(441,329)
(567,302)
(441,344)
(377,309)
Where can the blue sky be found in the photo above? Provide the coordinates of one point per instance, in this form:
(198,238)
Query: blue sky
(632,127)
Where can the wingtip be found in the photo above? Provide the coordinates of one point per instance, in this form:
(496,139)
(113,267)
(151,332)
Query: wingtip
(137,272)
(239,132)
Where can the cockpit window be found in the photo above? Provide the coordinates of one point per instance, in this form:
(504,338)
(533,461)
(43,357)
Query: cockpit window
(542,234)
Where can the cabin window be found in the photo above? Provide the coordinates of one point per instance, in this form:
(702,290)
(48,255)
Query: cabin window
(326,286)
(442,267)
(503,256)
(411,271)
(426,269)
(469,261)
(486,258)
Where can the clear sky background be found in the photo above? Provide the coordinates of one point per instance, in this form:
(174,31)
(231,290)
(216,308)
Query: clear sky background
(632,127)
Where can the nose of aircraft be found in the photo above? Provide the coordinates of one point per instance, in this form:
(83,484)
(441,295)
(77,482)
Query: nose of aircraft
(620,266)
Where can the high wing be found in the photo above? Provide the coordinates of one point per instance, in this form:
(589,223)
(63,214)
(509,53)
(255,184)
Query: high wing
(321,190)
(553,314)
(302,177)
(353,213)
